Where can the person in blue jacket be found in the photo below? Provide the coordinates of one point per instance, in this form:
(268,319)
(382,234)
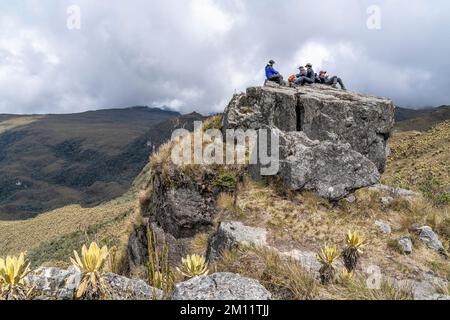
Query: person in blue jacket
(272,74)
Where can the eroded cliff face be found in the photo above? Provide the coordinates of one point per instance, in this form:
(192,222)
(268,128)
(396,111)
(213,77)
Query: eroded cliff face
(181,204)
(332,141)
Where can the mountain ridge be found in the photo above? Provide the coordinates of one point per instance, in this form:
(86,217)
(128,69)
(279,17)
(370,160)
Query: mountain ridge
(420,119)
(50,161)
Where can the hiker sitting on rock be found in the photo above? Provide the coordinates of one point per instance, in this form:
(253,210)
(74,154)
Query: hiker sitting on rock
(306,75)
(272,74)
(331,81)
(299,77)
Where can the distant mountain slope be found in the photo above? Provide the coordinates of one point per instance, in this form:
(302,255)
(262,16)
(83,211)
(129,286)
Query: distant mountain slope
(420,161)
(8,122)
(84,158)
(420,120)
(402,114)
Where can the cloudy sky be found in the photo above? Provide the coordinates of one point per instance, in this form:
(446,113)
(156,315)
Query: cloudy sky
(194,54)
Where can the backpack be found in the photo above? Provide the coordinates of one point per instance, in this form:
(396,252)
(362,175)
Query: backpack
(291,78)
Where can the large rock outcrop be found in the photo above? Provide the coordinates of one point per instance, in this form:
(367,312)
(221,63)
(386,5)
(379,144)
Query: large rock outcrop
(332,141)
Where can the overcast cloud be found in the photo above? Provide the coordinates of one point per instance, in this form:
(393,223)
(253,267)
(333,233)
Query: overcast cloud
(194,54)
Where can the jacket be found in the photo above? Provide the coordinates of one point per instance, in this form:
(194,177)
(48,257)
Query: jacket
(311,74)
(270,71)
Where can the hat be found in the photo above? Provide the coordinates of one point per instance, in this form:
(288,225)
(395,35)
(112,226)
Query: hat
(322,72)
(308,65)
(271,62)
(301,67)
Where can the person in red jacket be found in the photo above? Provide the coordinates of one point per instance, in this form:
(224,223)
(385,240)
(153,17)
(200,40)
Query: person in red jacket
(331,81)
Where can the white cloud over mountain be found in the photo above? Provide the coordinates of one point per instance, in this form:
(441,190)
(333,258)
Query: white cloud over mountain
(193,55)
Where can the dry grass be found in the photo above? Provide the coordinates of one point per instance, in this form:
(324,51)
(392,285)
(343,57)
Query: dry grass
(420,161)
(225,201)
(357,289)
(304,221)
(213,123)
(51,237)
(199,244)
(161,158)
(17,122)
(284,277)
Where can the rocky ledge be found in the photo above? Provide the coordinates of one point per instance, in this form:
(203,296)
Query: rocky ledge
(332,141)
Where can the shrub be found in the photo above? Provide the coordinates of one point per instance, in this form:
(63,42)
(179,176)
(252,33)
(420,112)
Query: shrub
(351,253)
(227,180)
(92,285)
(13,270)
(326,257)
(193,266)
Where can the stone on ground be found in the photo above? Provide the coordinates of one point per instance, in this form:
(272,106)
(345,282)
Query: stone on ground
(221,286)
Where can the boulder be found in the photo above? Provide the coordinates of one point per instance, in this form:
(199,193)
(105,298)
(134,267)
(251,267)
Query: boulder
(384,227)
(332,170)
(58,284)
(53,283)
(232,234)
(393,192)
(307,259)
(426,288)
(332,142)
(221,286)
(406,245)
(387,201)
(366,122)
(427,235)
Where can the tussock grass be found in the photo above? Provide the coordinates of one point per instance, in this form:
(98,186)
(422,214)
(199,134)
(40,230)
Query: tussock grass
(162,158)
(214,122)
(225,202)
(357,289)
(420,212)
(443,289)
(284,277)
(199,244)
